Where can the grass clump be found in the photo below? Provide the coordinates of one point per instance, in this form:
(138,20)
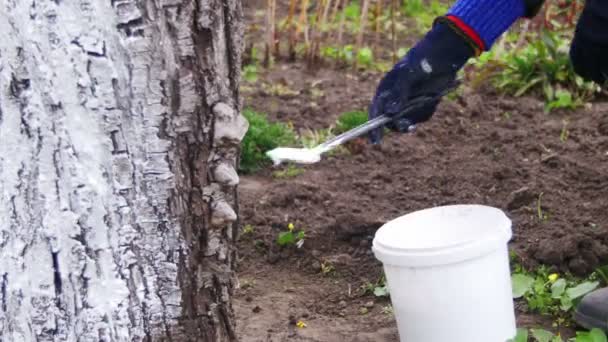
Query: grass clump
(541,67)
(262,136)
(552,294)
(350,120)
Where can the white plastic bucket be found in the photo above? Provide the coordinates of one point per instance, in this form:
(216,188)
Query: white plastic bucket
(447,270)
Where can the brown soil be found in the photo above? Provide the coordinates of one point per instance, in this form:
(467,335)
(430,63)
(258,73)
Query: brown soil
(481,148)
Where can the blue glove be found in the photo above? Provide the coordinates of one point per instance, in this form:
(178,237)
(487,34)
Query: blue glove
(428,69)
(470,27)
(589,49)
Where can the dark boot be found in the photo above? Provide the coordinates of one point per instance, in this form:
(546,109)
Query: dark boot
(592,311)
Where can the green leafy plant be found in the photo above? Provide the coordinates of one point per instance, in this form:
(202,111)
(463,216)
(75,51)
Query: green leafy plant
(541,335)
(548,293)
(350,120)
(262,136)
(250,73)
(540,67)
(365,57)
(291,237)
(378,289)
(423,13)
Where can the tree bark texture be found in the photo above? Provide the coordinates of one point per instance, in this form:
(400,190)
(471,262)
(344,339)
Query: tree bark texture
(119,134)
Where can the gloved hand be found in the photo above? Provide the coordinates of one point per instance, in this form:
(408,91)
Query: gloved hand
(428,69)
(589,49)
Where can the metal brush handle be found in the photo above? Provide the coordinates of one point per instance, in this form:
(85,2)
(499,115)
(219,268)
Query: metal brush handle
(375,123)
(383,120)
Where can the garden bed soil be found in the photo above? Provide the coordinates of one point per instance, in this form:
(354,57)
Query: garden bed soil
(480,147)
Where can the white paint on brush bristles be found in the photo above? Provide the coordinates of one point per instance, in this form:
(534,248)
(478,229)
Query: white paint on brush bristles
(296,155)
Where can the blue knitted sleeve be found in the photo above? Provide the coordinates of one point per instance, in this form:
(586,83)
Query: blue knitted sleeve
(489,18)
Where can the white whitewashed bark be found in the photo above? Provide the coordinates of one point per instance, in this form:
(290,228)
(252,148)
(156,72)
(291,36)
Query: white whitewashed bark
(119,130)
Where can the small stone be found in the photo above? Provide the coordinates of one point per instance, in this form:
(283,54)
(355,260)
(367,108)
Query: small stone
(364,311)
(315,253)
(342,304)
(316,265)
(369,304)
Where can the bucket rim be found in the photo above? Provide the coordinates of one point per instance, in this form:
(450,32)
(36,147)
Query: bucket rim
(490,241)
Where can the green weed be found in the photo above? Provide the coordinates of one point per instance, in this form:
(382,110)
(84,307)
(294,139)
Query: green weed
(365,57)
(291,237)
(550,294)
(541,335)
(540,67)
(378,289)
(250,73)
(350,120)
(262,136)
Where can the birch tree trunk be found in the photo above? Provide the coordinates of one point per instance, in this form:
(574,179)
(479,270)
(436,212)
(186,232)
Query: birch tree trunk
(119,133)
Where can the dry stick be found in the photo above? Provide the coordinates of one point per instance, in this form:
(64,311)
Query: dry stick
(292,30)
(522,35)
(321,27)
(334,15)
(378,23)
(393,33)
(362,22)
(269,34)
(314,31)
(341,30)
(303,21)
(275,31)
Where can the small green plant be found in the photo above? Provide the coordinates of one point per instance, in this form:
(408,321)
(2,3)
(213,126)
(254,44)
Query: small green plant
(350,120)
(290,171)
(250,73)
(540,67)
(541,335)
(327,268)
(344,54)
(423,13)
(262,136)
(561,99)
(291,237)
(248,229)
(550,294)
(365,57)
(378,289)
